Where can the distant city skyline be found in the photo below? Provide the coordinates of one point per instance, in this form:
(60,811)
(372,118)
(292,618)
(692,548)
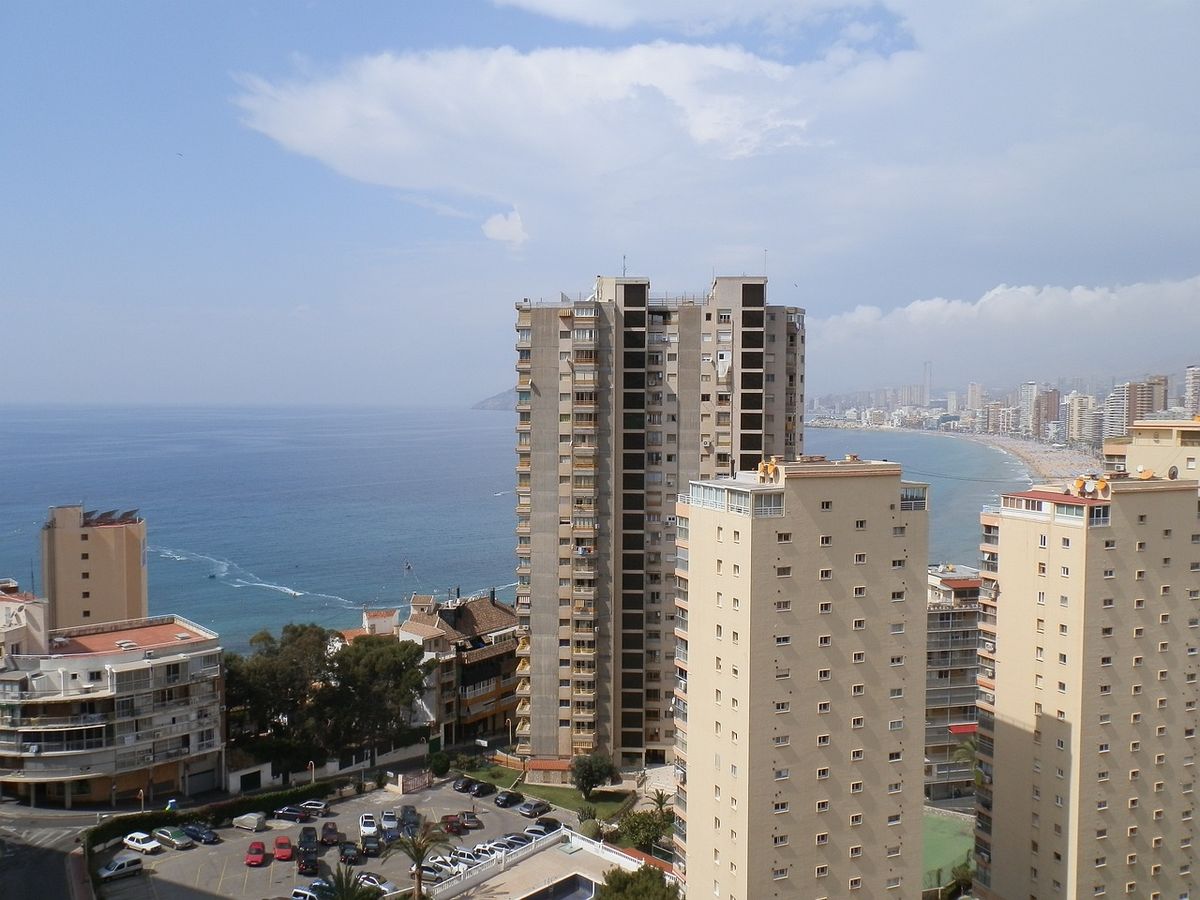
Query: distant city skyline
(279,205)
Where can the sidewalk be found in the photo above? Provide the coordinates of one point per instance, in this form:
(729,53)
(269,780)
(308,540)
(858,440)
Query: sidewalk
(77,876)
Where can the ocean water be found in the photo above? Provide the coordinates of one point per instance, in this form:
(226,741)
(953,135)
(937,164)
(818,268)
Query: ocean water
(258,517)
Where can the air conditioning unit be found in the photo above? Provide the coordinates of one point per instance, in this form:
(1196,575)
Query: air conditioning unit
(706,444)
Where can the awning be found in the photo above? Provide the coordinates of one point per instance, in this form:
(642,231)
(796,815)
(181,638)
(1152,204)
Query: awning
(964,728)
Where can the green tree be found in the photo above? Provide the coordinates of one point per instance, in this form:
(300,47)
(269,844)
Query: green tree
(642,829)
(345,886)
(373,685)
(647,883)
(439,763)
(967,752)
(418,847)
(661,800)
(591,771)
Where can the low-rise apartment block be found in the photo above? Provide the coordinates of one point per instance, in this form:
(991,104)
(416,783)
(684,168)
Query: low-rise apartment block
(800,681)
(472,694)
(97,713)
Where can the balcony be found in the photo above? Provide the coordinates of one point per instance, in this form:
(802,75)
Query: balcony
(524,707)
(523,647)
(523,728)
(583,712)
(581,650)
(524,666)
(523,688)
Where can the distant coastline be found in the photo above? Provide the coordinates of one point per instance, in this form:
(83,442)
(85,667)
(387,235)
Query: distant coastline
(1044,463)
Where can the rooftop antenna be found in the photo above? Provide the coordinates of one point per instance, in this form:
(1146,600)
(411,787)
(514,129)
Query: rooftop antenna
(764,263)
(622,265)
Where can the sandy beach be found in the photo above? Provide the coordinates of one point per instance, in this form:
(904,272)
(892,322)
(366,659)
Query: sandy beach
(1044,463)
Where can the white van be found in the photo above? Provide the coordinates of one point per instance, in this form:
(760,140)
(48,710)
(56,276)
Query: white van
(123,864)
(251,822)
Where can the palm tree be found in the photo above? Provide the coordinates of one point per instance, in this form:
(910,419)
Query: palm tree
(419,847)
(661,800)
(346,888)
(966,753)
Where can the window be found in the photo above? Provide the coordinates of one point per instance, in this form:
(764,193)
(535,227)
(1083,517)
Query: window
(860,590)
(895,693)
(781,806)
(860,624)
(783,673)
(778,874)
(897,596)
(825,640)
(826,504)
(894,819)
(782,774)
(856,787)
(822,773)
(822,838)
(824,674)
(822,806)
(826,540)
(896,628)
(782,706)
(779,840)
(859,656)
(895,756)
(825,607)
(896,661)
(783,605)
(895,725)
(898,563)
(860,524)
(856,819)
(784,537)
(821,871)
(856,755)
(823,707)
(825,574)
(857,722)
(894,788)
(860,559)
(858,690)
(822,740)
(781,640)
(783,571)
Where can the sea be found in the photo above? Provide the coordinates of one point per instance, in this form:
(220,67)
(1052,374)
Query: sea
(260,517)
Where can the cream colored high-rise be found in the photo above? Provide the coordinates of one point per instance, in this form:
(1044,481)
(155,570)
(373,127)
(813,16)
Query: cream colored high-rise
(800,695)
(1088,690)
(622,398)
(94,566)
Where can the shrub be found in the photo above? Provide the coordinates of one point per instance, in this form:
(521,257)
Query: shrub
(590,828)
(464,762)
(587,811)
(439,763)
(380,779)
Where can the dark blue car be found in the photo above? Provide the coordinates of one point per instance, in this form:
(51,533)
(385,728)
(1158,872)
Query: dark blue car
(201,833)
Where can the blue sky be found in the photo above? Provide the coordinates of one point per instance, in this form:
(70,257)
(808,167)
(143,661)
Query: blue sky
(280,203)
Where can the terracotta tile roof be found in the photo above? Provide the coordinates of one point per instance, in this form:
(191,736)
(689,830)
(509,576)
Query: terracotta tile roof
(349,634)
(470,619)
(416,625)
(379,613)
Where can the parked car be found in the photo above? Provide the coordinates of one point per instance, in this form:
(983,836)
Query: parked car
(389,819)
(387,835)
(482,789)
(175,838)
(377,881)
(464,784)
(367,825)
(141,842)
(201,833)
(494,847)
(283,847)
(515,839)
(123,865)
(308,838)
(330,834)
(470,820)
(370,845)
(293,814)
(317,808)
(308,863)
(318,890)
(465,856)
(451,824)
(505,799)
(531,809)
(543,827)
(251,821)
(256,854)
(409,815)
(349,854)
(447,863)
(429,874)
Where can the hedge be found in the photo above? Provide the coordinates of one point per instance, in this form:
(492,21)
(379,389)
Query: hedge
(220,813)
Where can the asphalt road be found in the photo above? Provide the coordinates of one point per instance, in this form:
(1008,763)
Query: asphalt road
(33,860)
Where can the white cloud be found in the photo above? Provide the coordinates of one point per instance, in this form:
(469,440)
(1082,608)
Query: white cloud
(687,15)
(506,229)
(1010,334)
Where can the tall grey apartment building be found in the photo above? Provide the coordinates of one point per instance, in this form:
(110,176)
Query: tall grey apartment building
(623,398)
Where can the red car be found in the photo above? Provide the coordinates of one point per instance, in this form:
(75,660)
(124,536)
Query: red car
(283,847)
(257,854)
(452,824)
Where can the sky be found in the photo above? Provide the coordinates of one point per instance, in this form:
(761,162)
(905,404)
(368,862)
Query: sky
(328,203)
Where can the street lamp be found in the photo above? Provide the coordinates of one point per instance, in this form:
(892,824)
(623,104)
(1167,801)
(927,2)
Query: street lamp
(142,798)
(508,722)
(312,772)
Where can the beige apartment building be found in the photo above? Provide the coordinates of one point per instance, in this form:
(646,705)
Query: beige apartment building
(622,398)
(1088,690)
(951,667)
(1168,448)
(94,566)
(800,688)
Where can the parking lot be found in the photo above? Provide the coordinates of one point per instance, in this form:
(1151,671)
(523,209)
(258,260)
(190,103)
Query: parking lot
(219,871)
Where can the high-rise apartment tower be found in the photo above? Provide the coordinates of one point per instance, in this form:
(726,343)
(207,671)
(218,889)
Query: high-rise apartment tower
(94,566)
(800,693)
(1088,690)
(622,399)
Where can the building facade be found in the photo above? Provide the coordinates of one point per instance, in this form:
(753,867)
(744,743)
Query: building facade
(99,713)
(951,667)
(1191,389)
(94,566)
(800,684)
(623,398)
(1088,690)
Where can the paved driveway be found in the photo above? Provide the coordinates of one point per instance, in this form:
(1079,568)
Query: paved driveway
(218,870)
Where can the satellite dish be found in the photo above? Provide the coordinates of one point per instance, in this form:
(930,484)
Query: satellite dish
(1141,469)
(1173,472)
(1089,486)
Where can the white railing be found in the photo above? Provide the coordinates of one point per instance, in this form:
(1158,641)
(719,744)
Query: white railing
(492,866)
